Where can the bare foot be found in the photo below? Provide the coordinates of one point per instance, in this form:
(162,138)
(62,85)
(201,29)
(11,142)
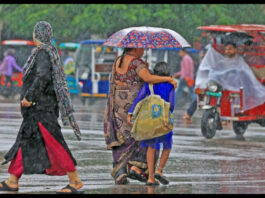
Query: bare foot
(11,185)
(137,170)
(77,185)
(158,171)
(186,116)
(151,179)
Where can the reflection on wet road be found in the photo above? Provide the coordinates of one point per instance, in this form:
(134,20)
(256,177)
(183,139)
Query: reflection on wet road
(224,164)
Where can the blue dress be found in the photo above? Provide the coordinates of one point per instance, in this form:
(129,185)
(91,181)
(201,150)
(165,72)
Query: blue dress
(167,92)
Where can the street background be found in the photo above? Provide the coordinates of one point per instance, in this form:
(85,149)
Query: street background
(226,164)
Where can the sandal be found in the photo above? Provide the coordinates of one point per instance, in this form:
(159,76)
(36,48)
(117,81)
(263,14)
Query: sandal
(156,183)
(5,187)
(134,175)
(162,179)
(73,190)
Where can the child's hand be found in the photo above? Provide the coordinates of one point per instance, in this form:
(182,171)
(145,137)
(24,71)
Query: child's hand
(129,119)
(174,83)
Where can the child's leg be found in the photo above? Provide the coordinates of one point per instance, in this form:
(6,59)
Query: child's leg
(150,155)
(163,160)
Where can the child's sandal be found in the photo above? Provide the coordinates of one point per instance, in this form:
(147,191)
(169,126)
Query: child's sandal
(163,180)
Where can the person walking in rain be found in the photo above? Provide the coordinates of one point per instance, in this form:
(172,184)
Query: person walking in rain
(167,92)
(186,75)
(129,73)
(6,68)
(40,147)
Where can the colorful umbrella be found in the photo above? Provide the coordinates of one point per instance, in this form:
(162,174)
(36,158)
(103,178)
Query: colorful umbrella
(146,37)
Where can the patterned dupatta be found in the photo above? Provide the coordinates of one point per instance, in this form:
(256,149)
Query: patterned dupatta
(43,33)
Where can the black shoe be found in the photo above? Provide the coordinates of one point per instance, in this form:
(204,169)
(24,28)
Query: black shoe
(162,179)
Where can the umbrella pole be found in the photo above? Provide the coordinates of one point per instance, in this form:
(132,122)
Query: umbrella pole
(146,55)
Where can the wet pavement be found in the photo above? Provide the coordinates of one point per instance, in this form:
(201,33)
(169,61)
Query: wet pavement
(225,164)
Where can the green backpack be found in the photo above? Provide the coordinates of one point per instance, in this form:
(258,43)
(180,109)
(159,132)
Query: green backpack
(151,117)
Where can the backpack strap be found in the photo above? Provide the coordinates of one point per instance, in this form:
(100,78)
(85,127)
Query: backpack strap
(151,88)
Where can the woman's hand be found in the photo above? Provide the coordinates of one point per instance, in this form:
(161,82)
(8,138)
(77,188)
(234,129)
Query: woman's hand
(129,119)
(173,82)
(26,103)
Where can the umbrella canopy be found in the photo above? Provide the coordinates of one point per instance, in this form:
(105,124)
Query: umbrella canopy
(146,37)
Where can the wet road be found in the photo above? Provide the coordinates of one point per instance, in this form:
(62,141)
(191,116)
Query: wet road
(225,164)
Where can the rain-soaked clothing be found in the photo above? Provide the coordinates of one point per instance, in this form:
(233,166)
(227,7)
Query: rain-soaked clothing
(40,140)
(186,68)
(9,63)
(40,147)
(231,73)
(125,150)
(6,68)
(43,33)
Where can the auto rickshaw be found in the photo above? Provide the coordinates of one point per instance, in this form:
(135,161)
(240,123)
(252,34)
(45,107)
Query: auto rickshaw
(93,68)
(67,51)
(23,50)
(219,104)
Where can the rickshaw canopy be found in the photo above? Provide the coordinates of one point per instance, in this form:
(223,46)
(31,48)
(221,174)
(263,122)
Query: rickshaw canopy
(234,28)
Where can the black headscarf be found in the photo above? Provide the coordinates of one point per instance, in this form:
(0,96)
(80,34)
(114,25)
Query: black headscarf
(43,33)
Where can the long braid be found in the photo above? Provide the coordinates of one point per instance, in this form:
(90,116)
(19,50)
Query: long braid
(123,54)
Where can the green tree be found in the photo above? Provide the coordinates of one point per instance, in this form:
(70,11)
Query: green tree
(70,21)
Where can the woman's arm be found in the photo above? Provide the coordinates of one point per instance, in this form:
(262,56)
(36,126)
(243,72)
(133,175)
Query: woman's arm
(154,79)
(43,74)
(177,74)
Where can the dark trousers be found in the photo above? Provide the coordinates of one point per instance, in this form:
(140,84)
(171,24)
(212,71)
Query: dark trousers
(8,89)
(193,105)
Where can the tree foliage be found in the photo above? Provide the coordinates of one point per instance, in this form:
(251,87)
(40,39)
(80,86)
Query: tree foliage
(71,21)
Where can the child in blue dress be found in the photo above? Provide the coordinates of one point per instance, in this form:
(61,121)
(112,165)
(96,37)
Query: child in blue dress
(167,92)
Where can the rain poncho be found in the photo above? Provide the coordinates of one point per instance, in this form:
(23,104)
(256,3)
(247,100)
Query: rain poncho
(231,73)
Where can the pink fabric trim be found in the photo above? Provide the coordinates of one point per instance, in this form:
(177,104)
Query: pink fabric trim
(60,160)
(16,166)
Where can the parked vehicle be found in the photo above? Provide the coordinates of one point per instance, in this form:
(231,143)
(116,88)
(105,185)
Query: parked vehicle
(67,51)
(93,68)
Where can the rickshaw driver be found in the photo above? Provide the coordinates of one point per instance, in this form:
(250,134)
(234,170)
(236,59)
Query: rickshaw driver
(230,49)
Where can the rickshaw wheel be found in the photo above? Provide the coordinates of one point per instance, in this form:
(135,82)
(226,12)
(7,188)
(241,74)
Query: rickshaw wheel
(208,124)
(240,127)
